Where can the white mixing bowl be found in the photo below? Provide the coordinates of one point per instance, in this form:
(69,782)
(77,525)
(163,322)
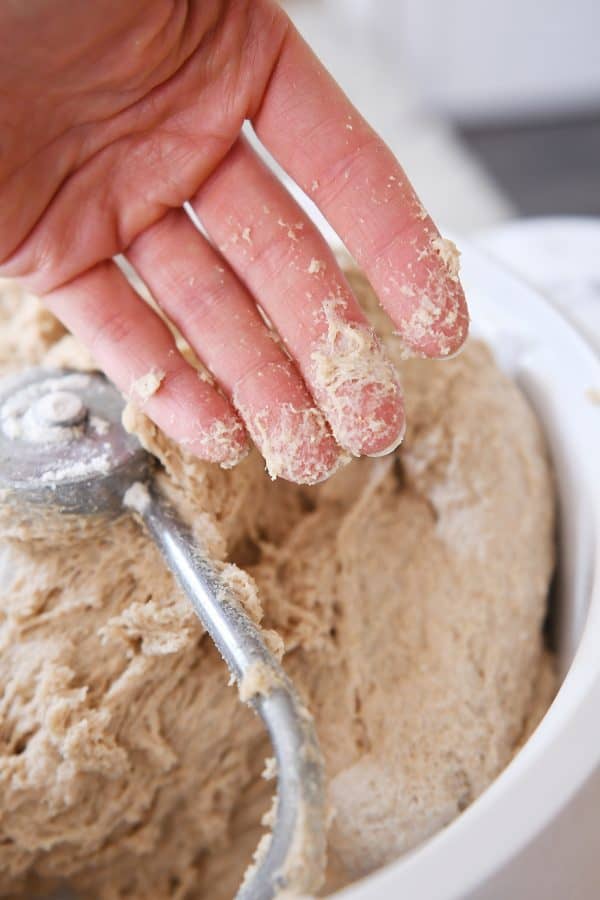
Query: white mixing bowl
(534,833)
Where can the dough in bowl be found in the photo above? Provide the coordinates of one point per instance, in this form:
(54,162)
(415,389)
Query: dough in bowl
(407,596)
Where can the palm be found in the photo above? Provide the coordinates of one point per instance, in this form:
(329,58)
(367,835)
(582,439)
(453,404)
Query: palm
(143,111)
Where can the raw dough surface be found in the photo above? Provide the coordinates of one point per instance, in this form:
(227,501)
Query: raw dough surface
(408,594)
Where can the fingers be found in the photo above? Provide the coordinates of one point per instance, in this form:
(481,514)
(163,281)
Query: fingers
(318,137)
(118,158)
(204,299)
(135,348)
(280,256)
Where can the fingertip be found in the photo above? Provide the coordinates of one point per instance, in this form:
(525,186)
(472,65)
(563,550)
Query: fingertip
(296,443)
(194,414)
(444,332)
(437,324)
(371,422)
(356,386)
(222,441)
(380,446)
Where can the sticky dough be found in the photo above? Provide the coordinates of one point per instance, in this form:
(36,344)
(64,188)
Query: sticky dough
(407,594)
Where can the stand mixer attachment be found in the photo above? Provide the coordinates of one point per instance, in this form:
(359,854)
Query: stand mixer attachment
(62,446)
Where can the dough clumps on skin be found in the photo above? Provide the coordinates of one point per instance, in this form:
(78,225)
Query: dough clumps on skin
(283,435)
(147,385)
(449,254)
(355,382)
(407,592)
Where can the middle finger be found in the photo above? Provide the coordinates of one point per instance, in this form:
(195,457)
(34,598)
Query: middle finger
(288,267)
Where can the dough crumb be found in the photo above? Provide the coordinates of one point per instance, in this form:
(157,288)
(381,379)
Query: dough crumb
(450,255)
(204,375)
(270,817)
(137,497)
(99,425)
(316,266)
(257,858)
(270,770)
(147,385)
(258,680)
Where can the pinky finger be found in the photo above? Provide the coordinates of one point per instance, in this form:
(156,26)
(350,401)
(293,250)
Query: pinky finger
(137,351)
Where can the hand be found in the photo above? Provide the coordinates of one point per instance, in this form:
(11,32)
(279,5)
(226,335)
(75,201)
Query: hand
(120,112)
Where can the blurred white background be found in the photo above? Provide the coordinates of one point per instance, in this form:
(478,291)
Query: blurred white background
(492,107)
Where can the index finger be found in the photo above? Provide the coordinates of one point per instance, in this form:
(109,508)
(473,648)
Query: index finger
(315,133)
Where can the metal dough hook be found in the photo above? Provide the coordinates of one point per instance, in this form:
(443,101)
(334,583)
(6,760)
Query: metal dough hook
(62,445)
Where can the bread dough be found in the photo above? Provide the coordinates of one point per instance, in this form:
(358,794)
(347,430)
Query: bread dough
(407,594)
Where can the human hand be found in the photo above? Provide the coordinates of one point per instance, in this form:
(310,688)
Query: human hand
(117,113)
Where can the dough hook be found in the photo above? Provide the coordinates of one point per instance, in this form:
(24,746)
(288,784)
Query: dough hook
(62,445)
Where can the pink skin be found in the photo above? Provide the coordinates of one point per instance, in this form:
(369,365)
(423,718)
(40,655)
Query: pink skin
(187,408)
(141,109)
(201,295)
(278,253)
